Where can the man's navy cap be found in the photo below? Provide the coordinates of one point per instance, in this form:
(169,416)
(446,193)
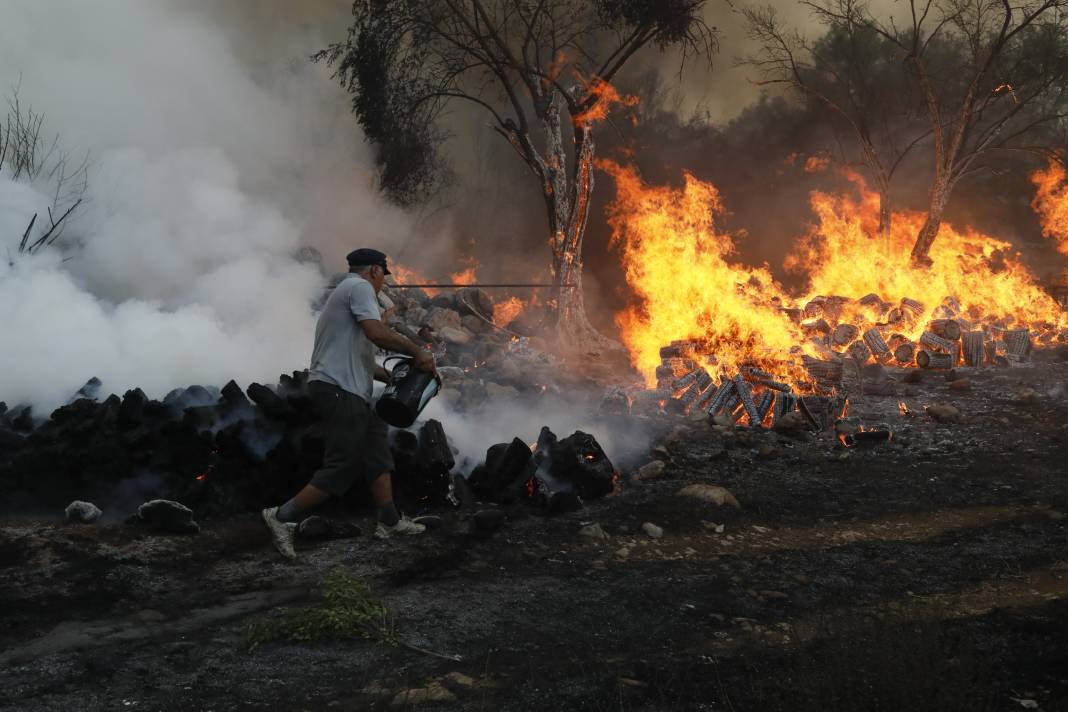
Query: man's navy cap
(367,256)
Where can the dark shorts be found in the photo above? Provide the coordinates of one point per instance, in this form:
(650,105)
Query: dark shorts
(356,440)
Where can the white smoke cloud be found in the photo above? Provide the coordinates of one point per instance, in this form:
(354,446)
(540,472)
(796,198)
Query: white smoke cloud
(210,165)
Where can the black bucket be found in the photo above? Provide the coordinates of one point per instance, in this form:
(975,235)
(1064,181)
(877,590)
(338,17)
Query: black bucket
(408,392)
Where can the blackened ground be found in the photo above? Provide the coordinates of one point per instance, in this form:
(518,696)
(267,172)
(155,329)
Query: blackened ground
(928,574)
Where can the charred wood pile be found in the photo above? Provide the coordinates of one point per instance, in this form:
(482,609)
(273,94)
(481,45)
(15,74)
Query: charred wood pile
(216,450)
(225,450)
(839,339)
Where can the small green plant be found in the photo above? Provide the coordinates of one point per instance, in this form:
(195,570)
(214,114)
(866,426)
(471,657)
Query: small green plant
(349,610)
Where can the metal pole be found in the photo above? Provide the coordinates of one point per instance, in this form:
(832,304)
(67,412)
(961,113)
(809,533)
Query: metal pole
(479,286)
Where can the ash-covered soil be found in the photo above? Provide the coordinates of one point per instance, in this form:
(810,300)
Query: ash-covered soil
(927,573)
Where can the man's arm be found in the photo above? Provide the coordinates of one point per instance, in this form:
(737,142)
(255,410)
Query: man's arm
(385,338)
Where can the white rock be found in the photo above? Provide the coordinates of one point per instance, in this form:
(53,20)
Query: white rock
(80,512)
(652,530)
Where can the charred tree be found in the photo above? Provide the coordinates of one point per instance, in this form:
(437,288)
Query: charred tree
(542,72)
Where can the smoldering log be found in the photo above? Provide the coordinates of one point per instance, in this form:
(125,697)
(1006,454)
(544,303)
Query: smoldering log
(706,396)
(905,352)
(833,306)
(877,344)
(946,328)
(871,300)
(767,400)
(815,327)
(934,360)
(826,371)
(679,348)
(721,397)
(974,348)
(688,380)
(1017,342)
(697,376)
(935,342)
(859,351)
(745,394)
(912,309)
(844,334)
(785,403)
(814,307)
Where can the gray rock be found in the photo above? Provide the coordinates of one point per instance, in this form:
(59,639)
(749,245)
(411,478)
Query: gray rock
(168,517)
(416,316)
(438,318)
(593,531)
(79,512)
(474,324)
(652,470)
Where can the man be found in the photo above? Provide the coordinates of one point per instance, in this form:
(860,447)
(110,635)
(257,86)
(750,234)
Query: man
(340,381)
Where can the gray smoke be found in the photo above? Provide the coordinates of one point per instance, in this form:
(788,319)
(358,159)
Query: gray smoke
(213,158)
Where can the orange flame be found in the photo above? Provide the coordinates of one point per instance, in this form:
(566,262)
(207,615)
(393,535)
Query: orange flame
(1051,204)
(687,286)
(603,97)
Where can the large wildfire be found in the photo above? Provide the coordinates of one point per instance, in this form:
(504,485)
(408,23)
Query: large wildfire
(689,286)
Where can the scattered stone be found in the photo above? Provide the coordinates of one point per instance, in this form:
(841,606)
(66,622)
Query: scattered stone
(723,420)
(651,471)
(1028,396)
(944,413)
(593,531)
(168,517)
(713,494)
(961,384)
(433,692)
(79,512)
(458,678)
(489,520)
(652,530)
(767,452)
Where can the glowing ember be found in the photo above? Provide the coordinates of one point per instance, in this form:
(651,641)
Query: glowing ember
(904,409)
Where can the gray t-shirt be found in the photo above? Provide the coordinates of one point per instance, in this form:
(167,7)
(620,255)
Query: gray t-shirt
(343,355)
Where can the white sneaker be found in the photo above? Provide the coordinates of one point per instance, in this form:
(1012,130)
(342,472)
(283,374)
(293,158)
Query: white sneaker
(404,526)
(282,533)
